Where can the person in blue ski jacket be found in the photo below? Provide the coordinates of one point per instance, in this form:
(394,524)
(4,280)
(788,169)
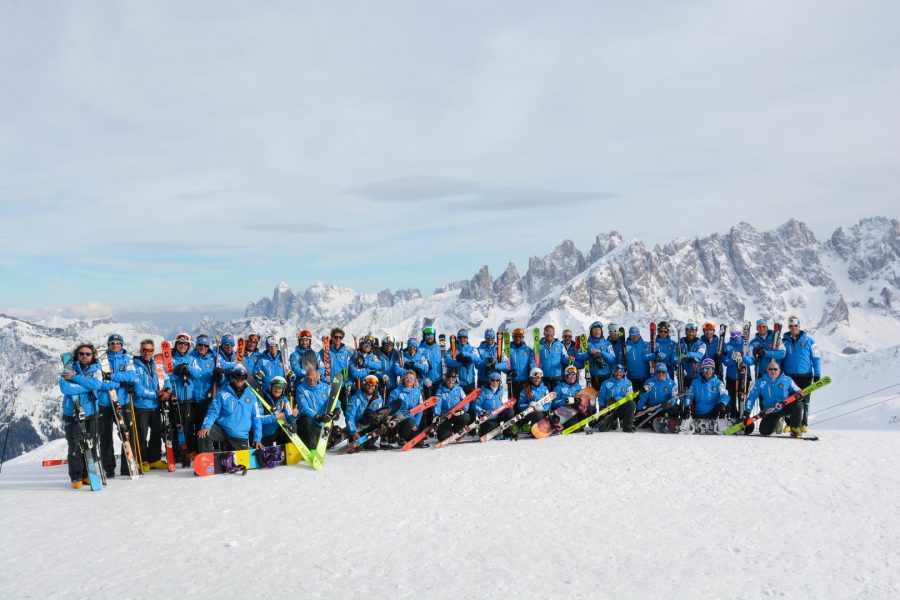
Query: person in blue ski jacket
(390,359)
(637,358)
(412,360)
(567,389)
(521,361)
(227,358)
(570,345)
(233,416)
(122,374)
(149,396)
(365,363)
(362,406)
(553,357)
(251,351)
(762,346)
(613,390)
(599,358)
(277,398)
(270,364)
(80,383)
(492,397)
(339,357)
(488,361)
(770,389)
(449,395)
(666,347)
(533,392)
(691,351)
(409,395)
(431,350)
(205,361)
(617,346)
(732,361)
(311,399)
(304,344)
(467,358)
(711,341)
(801,362)
(660,390)
(707,397)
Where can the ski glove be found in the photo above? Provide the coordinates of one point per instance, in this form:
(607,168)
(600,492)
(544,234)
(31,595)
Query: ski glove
(736,356)
(428,383)
(661,356)
(182,370)
(218,372)
(721,410)
(408,365)
(106,376)
(385,379)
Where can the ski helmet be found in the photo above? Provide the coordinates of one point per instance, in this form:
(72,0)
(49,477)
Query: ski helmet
(489,334)
(536,372)
(634,331)
(661,368)
(571,370)
(597,324)
(239,371)
(518,331)
(271,341)
(387,340)
(278,381)
(792,320)
(371,379)
(227,340)
(736,334)
(613,327)
(708,363)
(709,325)
(690,326)
(619,369)
(304,334)
(252,335)
(762,323)
(462,333)
(412,343)
(662,325)
(426,331)
(115,337)
(495,376)
(367,340)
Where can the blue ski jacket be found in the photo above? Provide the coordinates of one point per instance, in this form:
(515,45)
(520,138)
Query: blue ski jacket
(184,386)
(617,348)
(250,360)
(448,398)
(731,366)
(693,353)
(202,382)
(554,358)
(770,392)
(801,357)
(521,361)
(564,391)
(85,385)
(489,400)
(146,385)
(237,413)
(613,389)
(122,372)
(466,360)
(371,365)
(657,392)
(340,360)
(433,354)
(312,400)
(390,361)
(267,368)
(488,354)
(296,363)
(638,357)
(409,398)
(526,398)
(667,352)
(705,395)
(761,349)
(268,420)
(357,405)
(601,366)
(417,362)
(712,347)
(226,363)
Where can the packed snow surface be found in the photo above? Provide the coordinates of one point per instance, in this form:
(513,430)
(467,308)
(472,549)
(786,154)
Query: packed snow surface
(604,516)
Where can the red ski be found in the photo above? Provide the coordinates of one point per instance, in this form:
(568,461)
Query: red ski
(159,362)
(440,419)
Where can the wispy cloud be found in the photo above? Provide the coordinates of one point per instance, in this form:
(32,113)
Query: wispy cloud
(472,195)
(296,228)
(182,246)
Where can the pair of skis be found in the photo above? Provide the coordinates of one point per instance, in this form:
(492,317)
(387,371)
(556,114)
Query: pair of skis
(387,421)
(534,406)
(777,407)
(134,469)
(86,441)
(476,423)
(600,413)
(438,419)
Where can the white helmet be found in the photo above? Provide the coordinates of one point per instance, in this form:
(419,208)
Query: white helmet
(535,372)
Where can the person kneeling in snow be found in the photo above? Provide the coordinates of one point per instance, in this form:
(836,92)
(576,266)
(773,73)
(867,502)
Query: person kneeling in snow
(707,394)
(232,414)
(772,388)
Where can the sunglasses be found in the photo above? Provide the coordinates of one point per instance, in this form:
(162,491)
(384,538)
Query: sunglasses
(114,344)
(85,354)
(182,343)
(146,350)
(338,337)
(773,370)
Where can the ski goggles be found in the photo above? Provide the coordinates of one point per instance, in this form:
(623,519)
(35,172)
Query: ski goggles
(707,369)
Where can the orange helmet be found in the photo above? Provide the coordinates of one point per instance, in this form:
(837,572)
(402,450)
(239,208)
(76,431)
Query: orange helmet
(305,334)
(709,325)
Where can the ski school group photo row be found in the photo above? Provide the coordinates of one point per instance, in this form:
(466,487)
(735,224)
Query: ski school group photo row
(228,405)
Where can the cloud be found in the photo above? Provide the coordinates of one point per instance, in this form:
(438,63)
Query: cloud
(181,246)
(296,228)
(472,195)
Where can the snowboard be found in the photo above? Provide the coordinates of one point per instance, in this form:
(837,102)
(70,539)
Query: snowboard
(217,463)
(552,423)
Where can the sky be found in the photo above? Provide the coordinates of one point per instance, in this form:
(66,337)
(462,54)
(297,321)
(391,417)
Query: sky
(191,154)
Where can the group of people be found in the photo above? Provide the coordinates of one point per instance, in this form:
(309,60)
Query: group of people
(232,396)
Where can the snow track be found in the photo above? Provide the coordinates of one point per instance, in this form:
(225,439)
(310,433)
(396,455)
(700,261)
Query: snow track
(609,515)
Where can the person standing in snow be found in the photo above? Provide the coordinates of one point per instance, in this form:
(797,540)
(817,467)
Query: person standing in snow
(202,389)
(390,358)
(691,351)
(122,374)
(251,352)
(340,356)
(269,364)
(488,362)
(637,358)
(149,397)
(466,360)
(521,361)
(733,360)
(83,382)
(233,415)
(711,341)
(599,358)
(365,362)
(762,347)
(553,357)
(801,362)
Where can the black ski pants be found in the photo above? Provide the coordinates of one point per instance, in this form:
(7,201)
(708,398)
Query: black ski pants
(491,424)
(597,381)
(803,381)
(149,426)
(454,425)
(309,431)
(792,413)
(76,458)
(106,422)
(218,435)
(624,413)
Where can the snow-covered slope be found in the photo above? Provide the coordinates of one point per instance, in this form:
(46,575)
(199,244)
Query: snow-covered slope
(606,516)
